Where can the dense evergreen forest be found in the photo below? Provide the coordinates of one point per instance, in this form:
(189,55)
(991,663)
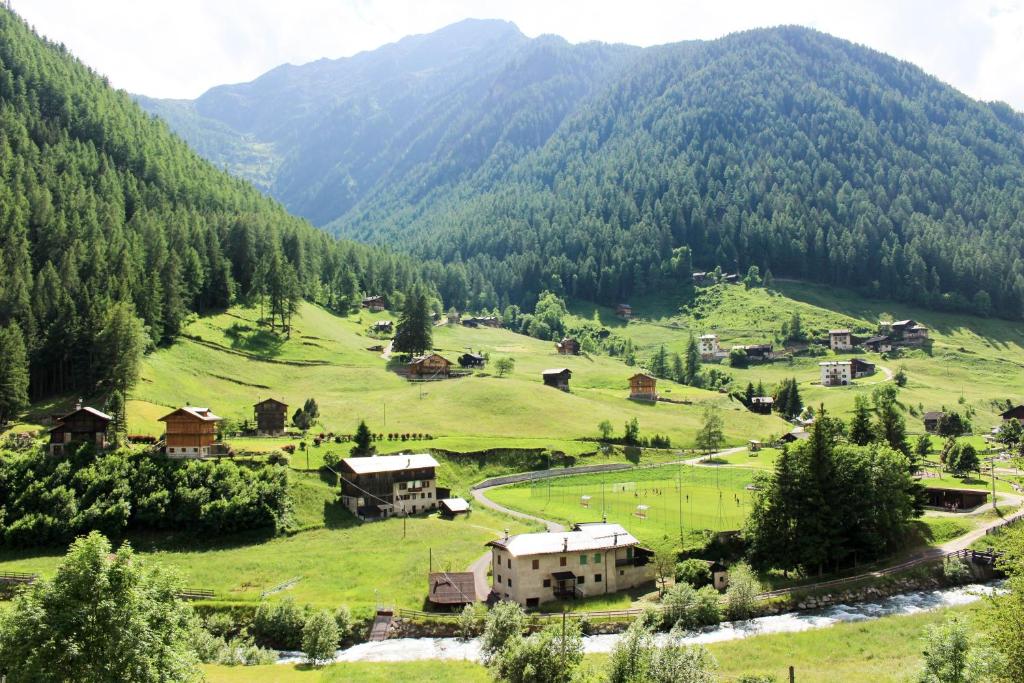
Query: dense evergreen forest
(100,203)
(785,148)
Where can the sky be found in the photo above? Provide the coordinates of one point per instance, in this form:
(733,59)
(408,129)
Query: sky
(180,48)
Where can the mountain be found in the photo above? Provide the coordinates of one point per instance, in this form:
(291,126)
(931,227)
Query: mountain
(103,207)
(399,121)
(593,165)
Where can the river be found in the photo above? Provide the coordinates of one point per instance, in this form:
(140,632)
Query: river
(409,649)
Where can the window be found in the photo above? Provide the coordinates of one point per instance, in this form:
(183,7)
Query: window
(536,564)
(581,580)
(622,572)
(561,562)
(402,485)
(629,553)
(598,578)
(533,602)
(597,558)
(171,450)
(510,563)
(547,583)
(499,578)
(583,559)
(509,582)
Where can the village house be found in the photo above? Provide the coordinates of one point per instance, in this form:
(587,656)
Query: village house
(482,321)
(709,348)
(624,311)
(191,432)
(758,352)
(878,344)
(375,304)
(453,317)
(82,425)
(795,434)
(383,327)
(431,365)
(592,559)
(382,486)
(909,331)
(568,347)
(702,278)
(643,387)
(1015,412)
(861,368)
(557,378)
(836,373)
(955,500)
(271,417)
(840,340)
(762,404)
(932,420)
(451,589)
(472,360)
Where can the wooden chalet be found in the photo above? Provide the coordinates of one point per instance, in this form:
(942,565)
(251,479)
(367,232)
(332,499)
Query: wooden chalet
(1015,412)
(932,420)
(557,378)
(909,331)
(271,416)
(191,432)
(472,360)
(452,589)
(861,368)
(82,425)
(762,405)
(624,311)
(568,347)
(643,387)
(383,327)
(375,303)
(758,351)
(879,343)
(795,434)
(430,365)
(385,485)
(482,321)
(955,500)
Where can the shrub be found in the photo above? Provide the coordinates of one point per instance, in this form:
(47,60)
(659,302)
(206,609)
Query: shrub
(320,638)
(505,621)
(689,608)
(694,572)
(278,458)
(343,619)
(955,570)
(471,620)
(279,624)
(331,460)
(741,596)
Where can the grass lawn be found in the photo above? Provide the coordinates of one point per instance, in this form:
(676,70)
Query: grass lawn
(429,671)
(341,561)
(700,497)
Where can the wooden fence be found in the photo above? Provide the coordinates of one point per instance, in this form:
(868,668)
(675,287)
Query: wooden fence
(18,577)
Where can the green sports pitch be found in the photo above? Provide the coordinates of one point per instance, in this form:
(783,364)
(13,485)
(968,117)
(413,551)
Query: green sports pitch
(649,502)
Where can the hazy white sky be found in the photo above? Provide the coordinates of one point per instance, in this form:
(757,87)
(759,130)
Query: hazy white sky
(181,48)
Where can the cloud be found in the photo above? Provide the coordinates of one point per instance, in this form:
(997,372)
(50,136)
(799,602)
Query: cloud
(179,49)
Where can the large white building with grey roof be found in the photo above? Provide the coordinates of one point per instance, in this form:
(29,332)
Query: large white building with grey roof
(386,485)
(591,559)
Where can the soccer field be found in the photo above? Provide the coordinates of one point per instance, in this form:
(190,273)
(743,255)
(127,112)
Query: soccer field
(648,502)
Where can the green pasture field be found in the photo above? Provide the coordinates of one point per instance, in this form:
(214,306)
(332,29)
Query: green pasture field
(695,498)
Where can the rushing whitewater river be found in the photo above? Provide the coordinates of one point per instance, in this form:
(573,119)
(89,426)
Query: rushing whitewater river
(407,649)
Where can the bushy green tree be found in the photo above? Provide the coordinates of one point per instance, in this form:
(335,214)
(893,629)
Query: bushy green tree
(279,623)
(320,637)
(505,622)
(694,572)
(710,435)
(550,656)
(104,616)
(741,595)
(504,366)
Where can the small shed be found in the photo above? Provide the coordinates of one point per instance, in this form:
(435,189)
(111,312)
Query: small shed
(955,500)
(719,575)
(472,360)
(762,404)
(452,588)
(271,417)
(643,387)
(383,327)
(375,303)
(453,506)
(430,365)
(557,378)
(861,368)
(624,311)
(932,420)
(568,347)
(753,445)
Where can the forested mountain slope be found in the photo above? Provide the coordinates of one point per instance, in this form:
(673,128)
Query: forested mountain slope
(783,148)
(100,203)
(398,122)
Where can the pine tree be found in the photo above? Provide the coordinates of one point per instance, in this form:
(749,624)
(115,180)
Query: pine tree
(659,363)
(861,432)
(414,332)
(691,363)
(363,440)
(891,427)
(748,394)
(14,378)
(678,372)
(117,429)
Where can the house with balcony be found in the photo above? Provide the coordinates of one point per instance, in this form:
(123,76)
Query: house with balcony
(592,559)
(840,340)
(82,425)
(383,486)
(191,432)
(836,373)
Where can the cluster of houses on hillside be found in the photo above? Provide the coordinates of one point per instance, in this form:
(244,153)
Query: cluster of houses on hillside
(890,335)
(711,350)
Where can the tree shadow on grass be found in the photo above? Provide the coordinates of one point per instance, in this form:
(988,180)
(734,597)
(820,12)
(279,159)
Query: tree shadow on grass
(337,516)
(259,342)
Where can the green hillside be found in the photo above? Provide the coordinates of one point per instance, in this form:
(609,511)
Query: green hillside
(226,363)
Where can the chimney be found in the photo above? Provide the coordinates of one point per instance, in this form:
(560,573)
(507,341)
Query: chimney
(78,405)
(615,539)
(604,518)
(506,534)
(565,544)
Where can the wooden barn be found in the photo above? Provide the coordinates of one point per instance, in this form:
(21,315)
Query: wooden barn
(557,378)
(568,347)
(624,311)
(643,387)
(1015,412)
(861,368)
(430,365)
(191,432)
(383,327)
(762,405)
(82,425)
(271,416)
(375,303)
(452,589)
(450,507)
(385,485)
(472,360)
